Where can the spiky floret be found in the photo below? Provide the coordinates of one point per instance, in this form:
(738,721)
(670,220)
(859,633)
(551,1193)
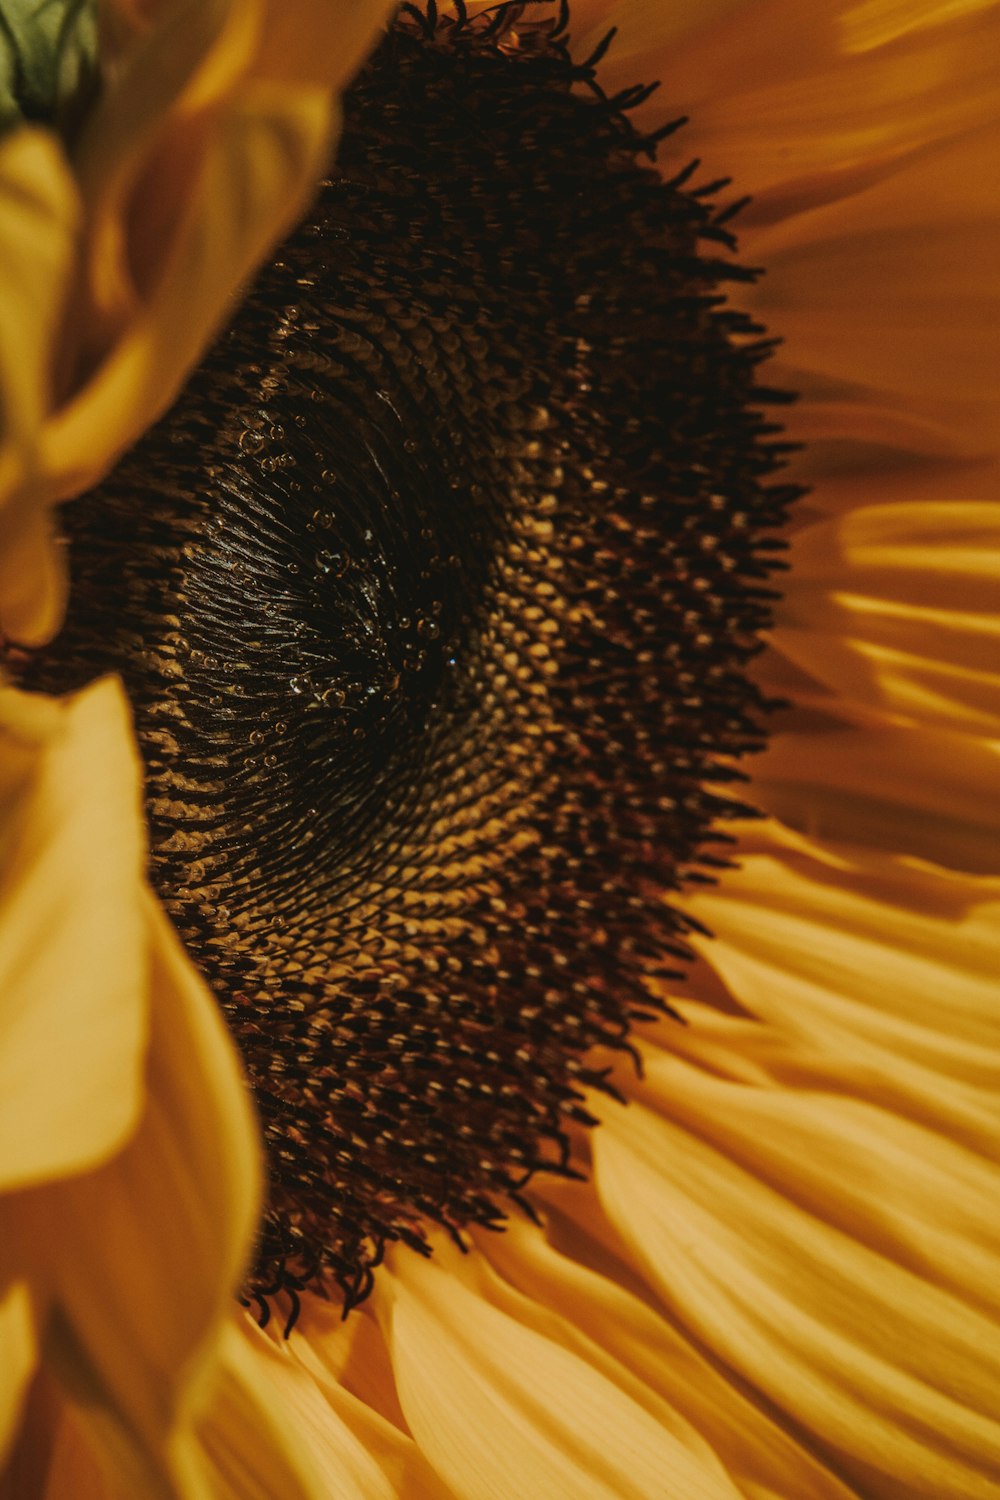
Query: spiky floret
(434,596)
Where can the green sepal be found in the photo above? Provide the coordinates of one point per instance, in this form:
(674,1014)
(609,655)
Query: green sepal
(49,70)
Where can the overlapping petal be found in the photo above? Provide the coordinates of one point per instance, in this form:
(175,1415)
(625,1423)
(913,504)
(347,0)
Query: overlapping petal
(803,105)
(282,1427)
(920,336)
(534,1415)
(782,1281)
(135,1264)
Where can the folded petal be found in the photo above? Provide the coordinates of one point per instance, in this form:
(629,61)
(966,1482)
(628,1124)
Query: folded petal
(38,223)
(215,123)
(218,189)
(73,1001)
(143,1256)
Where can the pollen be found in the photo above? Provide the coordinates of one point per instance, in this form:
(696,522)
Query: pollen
(434,596)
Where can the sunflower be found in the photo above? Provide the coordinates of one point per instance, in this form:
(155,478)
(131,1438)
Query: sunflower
(771,1268)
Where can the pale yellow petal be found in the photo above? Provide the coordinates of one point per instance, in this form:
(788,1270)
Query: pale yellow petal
(72,944)
(38,221)
(145,1255)
(502,1410)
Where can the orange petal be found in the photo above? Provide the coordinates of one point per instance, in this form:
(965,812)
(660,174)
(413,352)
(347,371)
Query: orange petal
(887,784)
(895,606)
(858,965)
(800,104)
(885,285)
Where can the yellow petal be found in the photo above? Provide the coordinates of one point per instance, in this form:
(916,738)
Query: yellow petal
(906,1191)
(145,1254)
(200,157)
(351,1367)
(72,947)
(38,222)
(500,1409)
(18,1340)
(892,1379)
(860,966)
(275,1429)
(253,1451)
(253,172)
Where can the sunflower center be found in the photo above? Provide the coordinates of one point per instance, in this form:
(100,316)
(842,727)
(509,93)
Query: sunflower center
(433,595)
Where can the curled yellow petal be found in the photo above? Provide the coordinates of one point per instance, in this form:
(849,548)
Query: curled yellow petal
(39,218)
(142,1257)
(72,944)
(204,152)
(215,123)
